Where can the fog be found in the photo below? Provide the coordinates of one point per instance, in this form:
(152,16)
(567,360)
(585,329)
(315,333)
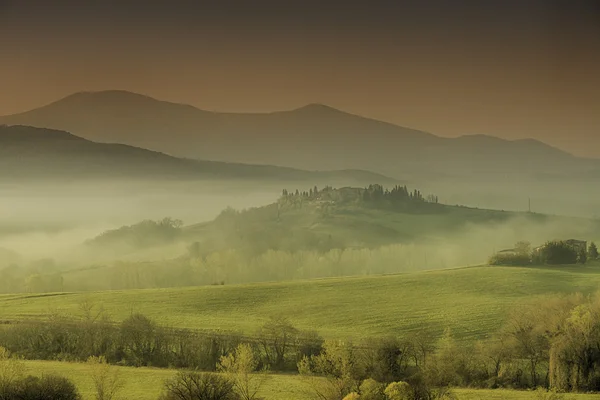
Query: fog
(50,229)
(47,220)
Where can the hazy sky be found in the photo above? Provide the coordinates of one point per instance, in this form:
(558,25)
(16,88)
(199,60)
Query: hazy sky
(508,68)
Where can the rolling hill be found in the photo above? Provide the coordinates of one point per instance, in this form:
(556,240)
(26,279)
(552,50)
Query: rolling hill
(46,154)
(288,241)
(473,302)
(314,137)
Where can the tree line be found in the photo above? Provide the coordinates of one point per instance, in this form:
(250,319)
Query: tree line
(552,343)
(554,252)
(374,195)
(199,267)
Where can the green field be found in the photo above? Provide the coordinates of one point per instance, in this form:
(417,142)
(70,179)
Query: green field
(473,301)
(146,384)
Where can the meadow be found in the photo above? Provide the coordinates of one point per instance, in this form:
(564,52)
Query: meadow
(146,384)
(472,301)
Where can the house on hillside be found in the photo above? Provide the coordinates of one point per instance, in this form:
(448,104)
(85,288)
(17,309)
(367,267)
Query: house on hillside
(577,245)
(508,251)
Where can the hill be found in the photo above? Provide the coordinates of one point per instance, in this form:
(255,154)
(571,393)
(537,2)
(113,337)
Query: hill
(312,137)
(337,232)
(473,302)
(46,154)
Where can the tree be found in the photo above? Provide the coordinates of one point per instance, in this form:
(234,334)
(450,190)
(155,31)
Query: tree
(370,389)
(107,381)
(593,251)
(495,352)
(523,248)
(138,337)
(398,391)
(385,358)
(529,339)
(199,386)
(239,367)
(48,387)
(582,256)
(11,369)
(277,335)
(558,252)
(338,364)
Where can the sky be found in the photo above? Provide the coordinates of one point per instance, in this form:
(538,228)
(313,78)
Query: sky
(512,69)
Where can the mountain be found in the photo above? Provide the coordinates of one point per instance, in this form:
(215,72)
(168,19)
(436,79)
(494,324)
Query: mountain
(314,137)
(46,154)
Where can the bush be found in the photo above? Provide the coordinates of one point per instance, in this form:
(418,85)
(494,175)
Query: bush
(49,387)
(370,389)
(513,259)
(199,386)
(558,252)
(543,394)
(398,391)
(106,378)
(593,251)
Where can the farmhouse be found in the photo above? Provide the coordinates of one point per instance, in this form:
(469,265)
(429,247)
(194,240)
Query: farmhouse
(577,245)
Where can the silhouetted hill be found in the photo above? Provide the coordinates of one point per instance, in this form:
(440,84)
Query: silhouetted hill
(314,137)
(38,153)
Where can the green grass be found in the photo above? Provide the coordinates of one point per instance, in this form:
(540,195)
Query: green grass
(146,384)
(473,301)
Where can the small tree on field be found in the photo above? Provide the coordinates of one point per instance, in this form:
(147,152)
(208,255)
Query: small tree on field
(107,381)
(240,367)
(277,336)
(199,386)
(11,369)
(593,251)
(558,253)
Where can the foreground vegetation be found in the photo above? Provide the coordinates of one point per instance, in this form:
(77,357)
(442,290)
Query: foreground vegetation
(147,383)
(465,344)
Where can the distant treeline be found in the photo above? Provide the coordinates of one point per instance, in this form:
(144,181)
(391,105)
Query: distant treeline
(552,343)
(234,266)
(373,195)
(556,252)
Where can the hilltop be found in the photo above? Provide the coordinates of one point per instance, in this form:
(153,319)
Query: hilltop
(313,234)
(47,154)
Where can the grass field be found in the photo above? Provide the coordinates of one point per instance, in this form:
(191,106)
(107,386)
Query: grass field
(146,384)
(473,302)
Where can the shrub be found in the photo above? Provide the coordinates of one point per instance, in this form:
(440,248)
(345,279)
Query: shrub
(106,378)
(543,394)
(49,387)
(199,386)
(513,259)
(353,396)
(11,369)
(558,252)
(593,251)
(398,391)
(370,389)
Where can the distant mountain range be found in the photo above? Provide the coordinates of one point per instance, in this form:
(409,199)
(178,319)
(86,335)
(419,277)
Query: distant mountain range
(314,137)
(45,154)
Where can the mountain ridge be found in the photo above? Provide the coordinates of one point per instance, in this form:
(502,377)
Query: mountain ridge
(31,152)
(312,137)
